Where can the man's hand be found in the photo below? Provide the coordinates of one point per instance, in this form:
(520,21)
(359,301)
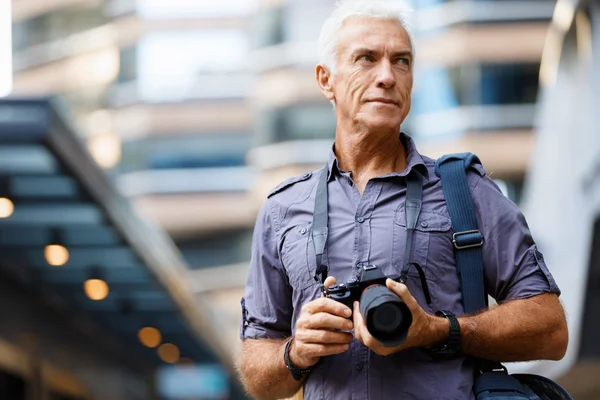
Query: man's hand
(426,330)
(315,335)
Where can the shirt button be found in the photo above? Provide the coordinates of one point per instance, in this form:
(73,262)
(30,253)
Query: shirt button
(424,224)
(360,220)
(303,231)
(305,176)
(359,366)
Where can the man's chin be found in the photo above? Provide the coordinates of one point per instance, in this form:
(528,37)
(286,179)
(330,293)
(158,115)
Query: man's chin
(382,123)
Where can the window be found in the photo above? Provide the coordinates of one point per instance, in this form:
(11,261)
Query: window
(217,249)
(303,19)
(298,122)
(127,64)
(438,89)
(57,24)
(509,84)
(268,27)
(174,66)
(295,21)
(199,151)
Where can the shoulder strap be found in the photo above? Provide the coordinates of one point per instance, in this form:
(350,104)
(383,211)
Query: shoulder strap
(319,227)
(467,239)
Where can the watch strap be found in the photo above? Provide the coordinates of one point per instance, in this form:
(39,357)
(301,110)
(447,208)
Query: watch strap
(297,373)
(452,346)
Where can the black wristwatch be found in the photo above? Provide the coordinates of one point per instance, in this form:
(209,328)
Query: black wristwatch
(451,348)
(296,372)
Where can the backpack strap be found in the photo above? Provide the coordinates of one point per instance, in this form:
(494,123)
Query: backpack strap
(492,380)
(467,239)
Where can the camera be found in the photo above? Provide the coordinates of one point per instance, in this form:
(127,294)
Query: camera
(387,316)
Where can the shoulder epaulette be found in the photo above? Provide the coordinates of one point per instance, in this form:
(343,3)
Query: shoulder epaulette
(289,182)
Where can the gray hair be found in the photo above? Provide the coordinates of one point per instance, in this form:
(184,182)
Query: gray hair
(396,11)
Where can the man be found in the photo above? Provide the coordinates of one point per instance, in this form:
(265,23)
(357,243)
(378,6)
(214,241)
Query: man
(294,337)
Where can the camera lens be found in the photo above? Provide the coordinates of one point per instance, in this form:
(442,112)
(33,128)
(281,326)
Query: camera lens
(386,315)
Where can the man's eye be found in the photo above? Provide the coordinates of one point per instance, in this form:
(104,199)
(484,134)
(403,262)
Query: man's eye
(403,60)
(366,57)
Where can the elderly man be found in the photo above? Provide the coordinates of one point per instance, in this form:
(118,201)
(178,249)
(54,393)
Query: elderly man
(295,337)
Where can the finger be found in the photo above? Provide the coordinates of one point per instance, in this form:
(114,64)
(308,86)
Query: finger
(358,322)
(402,291)
(325,320)
(330,281)
(321,350)
(323,336)
(327,305)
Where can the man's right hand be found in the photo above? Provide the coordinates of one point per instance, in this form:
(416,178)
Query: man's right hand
(315,335)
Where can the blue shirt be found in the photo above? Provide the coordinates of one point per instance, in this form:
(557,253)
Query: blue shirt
(371,229)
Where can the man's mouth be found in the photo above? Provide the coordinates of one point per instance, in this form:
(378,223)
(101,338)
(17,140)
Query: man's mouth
(382,100)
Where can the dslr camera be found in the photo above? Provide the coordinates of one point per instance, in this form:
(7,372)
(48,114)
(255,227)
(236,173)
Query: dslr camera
(387,316)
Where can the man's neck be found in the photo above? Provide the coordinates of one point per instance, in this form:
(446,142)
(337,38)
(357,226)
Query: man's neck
(369,154)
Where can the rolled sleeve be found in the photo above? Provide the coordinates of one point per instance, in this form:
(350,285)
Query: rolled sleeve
(266,305)
(514,267)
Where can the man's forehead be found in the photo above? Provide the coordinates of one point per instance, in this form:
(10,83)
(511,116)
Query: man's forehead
(369,32)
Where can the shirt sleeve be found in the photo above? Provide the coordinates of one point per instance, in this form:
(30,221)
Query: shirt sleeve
(266,306)
(514,267)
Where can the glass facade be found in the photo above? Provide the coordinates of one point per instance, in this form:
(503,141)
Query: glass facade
(224,248)
(202,150)
(58,24)
(438,89)
(297,122)
(174,66)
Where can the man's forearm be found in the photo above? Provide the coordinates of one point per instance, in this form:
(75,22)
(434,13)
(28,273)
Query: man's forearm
(263,371)
(519,330)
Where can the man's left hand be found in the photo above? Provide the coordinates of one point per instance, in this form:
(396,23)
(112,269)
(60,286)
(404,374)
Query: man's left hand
(426,330)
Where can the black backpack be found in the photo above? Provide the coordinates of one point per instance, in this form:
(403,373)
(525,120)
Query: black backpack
(492,380)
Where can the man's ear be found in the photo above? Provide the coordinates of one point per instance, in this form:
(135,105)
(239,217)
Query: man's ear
(324,79)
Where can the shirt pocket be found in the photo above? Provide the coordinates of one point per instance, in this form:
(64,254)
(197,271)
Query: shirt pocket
(298,257)
(431,249)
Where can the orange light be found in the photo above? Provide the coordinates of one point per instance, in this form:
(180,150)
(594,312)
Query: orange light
(56,255)
(150,337)
(6,207)
(96,289)
(169,353)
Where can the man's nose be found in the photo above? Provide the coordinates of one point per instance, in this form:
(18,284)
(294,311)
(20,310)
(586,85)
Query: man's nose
(385,75)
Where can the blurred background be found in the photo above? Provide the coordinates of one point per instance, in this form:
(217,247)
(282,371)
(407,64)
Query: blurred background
(138,138)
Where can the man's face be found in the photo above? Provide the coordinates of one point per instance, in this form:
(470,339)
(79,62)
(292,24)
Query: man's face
(374,76)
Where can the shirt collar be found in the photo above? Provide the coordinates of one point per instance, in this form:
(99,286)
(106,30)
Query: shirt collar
(414,159)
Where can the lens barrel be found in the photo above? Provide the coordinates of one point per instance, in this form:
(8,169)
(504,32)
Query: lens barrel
(387,316)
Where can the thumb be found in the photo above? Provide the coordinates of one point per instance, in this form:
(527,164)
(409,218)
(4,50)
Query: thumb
(401,290)
(330,281)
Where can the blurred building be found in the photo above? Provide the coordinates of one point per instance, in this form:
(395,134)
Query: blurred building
(562,197)
(476,84)
(157,92)
(95,301)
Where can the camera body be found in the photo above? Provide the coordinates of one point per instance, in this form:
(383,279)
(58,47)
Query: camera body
(387,317)
(349,292)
